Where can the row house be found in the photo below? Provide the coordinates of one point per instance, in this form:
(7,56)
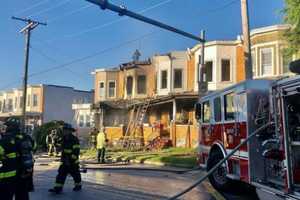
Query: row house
(169,83)
(45,103)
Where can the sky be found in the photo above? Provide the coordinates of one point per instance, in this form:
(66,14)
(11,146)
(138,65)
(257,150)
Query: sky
(80,37)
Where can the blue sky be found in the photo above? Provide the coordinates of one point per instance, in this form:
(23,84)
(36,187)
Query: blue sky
(80,37)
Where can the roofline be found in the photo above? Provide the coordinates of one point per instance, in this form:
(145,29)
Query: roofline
(267,29)
(216,43)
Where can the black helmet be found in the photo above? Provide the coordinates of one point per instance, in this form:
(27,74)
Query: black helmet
(12,126)
(67,126)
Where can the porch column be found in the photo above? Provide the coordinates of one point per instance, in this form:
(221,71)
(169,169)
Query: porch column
(174,111)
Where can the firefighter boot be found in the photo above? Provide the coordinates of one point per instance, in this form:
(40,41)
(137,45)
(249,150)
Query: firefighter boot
(77,188)
(56,190)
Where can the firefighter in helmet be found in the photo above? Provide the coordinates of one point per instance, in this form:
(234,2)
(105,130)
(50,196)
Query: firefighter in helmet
(8,162)
(69,161)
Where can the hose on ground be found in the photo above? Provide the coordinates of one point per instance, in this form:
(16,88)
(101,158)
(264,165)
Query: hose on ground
(212,170)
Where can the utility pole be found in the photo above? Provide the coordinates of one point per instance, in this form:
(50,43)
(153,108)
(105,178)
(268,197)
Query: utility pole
(246,40)
(202,80)
(31,24)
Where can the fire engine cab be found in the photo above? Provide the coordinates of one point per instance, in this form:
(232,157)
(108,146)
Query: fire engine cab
(270,161)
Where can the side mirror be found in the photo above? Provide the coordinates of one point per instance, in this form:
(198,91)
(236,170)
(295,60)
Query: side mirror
(295,67)
(198,111)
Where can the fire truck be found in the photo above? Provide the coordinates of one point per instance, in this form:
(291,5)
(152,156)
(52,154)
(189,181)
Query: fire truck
(270,161)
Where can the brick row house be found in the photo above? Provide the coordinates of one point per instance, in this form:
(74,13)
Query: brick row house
(169,83)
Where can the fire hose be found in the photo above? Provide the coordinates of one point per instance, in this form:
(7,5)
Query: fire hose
(212,170)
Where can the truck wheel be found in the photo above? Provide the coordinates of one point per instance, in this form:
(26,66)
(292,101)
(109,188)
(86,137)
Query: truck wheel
(218,179)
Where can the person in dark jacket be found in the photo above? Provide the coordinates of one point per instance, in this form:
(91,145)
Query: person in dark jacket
(8,163)
(69,161)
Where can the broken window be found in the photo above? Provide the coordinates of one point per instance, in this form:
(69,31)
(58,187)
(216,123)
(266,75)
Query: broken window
(111,89)
(164,79)
(225,70)
(178,78)
(141,84)
(101,89)
(129,85)
(266,61)
(229,107)
(209,71)
(206,112)
(217,109)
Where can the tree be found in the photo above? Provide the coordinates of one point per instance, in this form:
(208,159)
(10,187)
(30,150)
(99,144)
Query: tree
(292,17)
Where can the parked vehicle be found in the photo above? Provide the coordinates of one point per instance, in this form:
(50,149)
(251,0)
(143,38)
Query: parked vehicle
(270,161)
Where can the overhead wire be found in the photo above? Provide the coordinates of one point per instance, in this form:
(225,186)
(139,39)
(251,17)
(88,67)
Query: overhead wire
(49,9)
(31,7)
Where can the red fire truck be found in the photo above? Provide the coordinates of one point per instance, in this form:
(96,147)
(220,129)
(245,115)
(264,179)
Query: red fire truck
(270,161)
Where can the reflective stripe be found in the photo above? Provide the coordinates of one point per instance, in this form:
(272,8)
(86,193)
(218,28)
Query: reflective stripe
(19,136)
(58,185)
(8,174)
(68,150)
(76,146)
(1,151)
(11,155)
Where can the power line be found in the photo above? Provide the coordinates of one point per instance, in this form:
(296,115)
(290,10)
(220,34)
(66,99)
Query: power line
(230,3)
(50,8)
(31,7)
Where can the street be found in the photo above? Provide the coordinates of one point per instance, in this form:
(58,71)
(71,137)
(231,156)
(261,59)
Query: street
(121,184)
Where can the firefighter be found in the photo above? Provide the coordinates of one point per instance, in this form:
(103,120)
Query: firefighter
(8,163)
(101,143)
(69,161)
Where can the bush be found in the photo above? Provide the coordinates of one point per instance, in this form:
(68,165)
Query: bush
(41,133)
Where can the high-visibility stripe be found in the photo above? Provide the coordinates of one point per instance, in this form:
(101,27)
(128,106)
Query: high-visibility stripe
(11,155)
(76,146)
(9,174)
(68,150)
(58,185)
(1,151)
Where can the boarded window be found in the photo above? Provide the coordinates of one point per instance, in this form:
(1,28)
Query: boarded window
(206,112)
(217,109)
(129,85)
(164,79)
(226,70)
(101,89)
(35,100)
(209,71)
(229,107)
(141,87)
(112,89)
(178,78)
(266,61)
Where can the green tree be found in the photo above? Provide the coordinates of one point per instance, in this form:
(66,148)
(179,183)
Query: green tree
(292,17)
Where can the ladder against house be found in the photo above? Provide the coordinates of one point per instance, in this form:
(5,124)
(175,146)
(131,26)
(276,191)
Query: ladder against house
(133,138)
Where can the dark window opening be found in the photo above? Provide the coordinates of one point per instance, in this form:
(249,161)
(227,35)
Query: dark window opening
(217,109)
(129,85)
(178,78)
(209,71)
(141,86)
(226,70)
(164,79)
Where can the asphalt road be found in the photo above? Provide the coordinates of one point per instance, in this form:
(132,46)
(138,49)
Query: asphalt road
(123,184)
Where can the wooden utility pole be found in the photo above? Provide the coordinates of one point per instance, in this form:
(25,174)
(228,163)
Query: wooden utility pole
(246,39)
(31,24)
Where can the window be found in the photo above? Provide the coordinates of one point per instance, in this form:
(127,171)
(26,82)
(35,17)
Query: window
(164,79)
(101,89)
(141,85)
(206,112)
(35,100)
(87,121)
(16,103)
(226,70)
(28,100)
(111,88)
(0,106)
(21,102)
(129,85)
(81,121)
(10,105)
(266,61)
(209,71)
(286,61)
(217,109)
(177,78)
(229,107)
